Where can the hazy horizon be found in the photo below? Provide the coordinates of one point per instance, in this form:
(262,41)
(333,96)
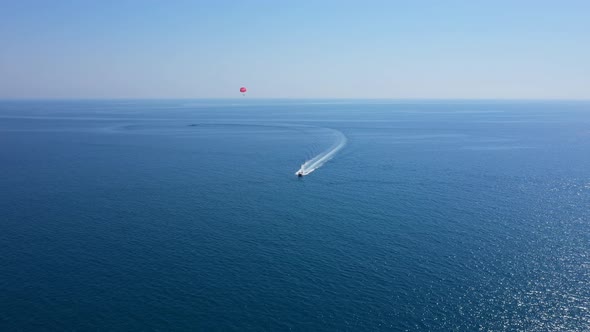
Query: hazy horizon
(241,98)
(424,50)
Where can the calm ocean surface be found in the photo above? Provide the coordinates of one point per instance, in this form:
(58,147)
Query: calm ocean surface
(186,215)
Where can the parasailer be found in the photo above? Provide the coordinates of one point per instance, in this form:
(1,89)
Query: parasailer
(243,90)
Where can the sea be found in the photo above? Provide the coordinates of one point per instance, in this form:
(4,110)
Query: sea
(188,215)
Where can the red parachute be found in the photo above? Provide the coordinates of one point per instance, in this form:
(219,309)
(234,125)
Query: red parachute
(243,90)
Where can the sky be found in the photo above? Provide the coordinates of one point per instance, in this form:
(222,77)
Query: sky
(515,49)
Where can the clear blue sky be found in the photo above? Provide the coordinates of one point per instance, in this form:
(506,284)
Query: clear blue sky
(304,48)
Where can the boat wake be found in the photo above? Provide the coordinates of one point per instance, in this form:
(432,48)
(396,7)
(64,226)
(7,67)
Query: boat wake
(315,162)
(319,160)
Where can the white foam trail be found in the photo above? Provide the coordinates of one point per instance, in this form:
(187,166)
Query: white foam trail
(319,160)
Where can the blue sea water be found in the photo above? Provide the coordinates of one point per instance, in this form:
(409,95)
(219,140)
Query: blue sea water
(186,215)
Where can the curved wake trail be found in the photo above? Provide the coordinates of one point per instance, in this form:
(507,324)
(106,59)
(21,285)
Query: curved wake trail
(306,168)
(319,160)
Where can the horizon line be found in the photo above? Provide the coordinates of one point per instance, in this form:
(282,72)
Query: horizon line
(284,98)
